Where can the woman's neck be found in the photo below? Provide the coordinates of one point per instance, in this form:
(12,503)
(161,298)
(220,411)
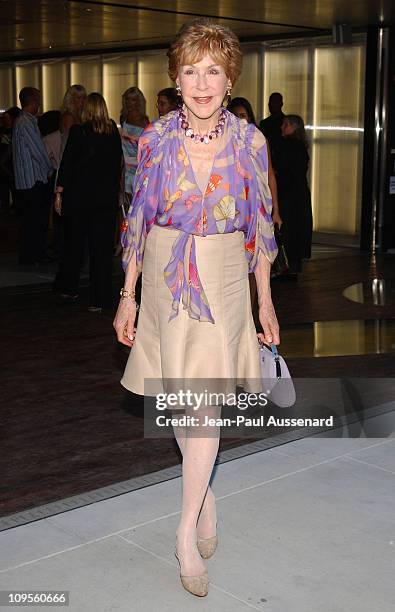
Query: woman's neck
(202,126)
(135,117)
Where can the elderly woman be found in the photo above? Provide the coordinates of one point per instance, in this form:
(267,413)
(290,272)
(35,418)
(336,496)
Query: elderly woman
(199,220)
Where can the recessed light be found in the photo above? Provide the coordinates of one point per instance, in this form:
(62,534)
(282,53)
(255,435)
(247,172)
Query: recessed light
(20,39)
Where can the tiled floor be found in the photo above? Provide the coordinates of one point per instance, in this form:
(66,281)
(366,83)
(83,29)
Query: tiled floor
(305,527)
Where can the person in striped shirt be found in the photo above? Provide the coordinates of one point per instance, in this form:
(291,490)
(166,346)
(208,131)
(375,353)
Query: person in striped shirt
(32,170)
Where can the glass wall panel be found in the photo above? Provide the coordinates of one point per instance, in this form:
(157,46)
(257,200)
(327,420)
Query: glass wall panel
(321,82)
(337,139)
(248,83)
(55,82)
(287,71)
(87,71)
(119,73)
(152,77)
(7,94)
(27,75)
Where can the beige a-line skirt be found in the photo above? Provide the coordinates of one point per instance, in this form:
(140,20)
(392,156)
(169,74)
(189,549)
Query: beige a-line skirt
(186,353)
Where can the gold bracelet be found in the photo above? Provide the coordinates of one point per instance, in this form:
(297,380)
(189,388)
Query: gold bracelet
(132,302)
(126,293)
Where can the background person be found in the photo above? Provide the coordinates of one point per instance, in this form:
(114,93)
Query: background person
(87,197)
(133,121)
(294,193)
(242,108)
(32,170)
(7,182)
(167,101)
(271,126)
(72,107)
(49,126)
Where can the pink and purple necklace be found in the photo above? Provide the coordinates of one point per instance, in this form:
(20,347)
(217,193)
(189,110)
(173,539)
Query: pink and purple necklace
(206,138)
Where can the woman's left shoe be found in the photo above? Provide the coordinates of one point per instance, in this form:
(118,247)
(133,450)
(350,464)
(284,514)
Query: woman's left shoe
(207,546)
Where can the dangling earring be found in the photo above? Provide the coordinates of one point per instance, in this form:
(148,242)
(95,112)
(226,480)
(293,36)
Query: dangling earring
(228,95)
(179,95)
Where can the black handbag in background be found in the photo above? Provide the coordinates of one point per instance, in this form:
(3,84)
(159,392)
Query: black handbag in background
(280,264)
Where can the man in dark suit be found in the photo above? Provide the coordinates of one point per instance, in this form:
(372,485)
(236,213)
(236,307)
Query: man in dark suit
(271,126)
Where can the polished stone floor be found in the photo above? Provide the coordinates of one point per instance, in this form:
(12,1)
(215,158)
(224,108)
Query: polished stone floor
(377,291)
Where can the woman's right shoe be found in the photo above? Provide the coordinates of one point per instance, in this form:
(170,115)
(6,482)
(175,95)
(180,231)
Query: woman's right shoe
(197,585)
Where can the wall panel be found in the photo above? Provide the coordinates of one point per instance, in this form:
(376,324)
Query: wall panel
(152,77)
(119,73)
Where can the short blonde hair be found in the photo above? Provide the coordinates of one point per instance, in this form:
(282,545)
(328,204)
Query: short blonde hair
(200,37)
(95,111)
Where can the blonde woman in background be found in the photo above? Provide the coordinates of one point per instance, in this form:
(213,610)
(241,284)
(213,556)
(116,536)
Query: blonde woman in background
(72,106)
(133,121)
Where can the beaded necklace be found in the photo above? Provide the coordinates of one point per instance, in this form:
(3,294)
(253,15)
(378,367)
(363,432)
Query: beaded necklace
(205,138)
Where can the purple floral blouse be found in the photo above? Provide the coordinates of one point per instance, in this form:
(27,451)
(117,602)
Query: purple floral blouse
(237,198)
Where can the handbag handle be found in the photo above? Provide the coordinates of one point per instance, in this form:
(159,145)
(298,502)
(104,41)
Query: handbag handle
(276,357)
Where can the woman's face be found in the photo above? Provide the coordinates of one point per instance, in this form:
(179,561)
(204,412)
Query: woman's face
(79,100)
(287,128)
(164,105)
(241,113)
(132,102)
(203,86)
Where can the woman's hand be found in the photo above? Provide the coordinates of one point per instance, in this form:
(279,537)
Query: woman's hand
(124,321)
(277,219)
(268,320)
(58,203)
